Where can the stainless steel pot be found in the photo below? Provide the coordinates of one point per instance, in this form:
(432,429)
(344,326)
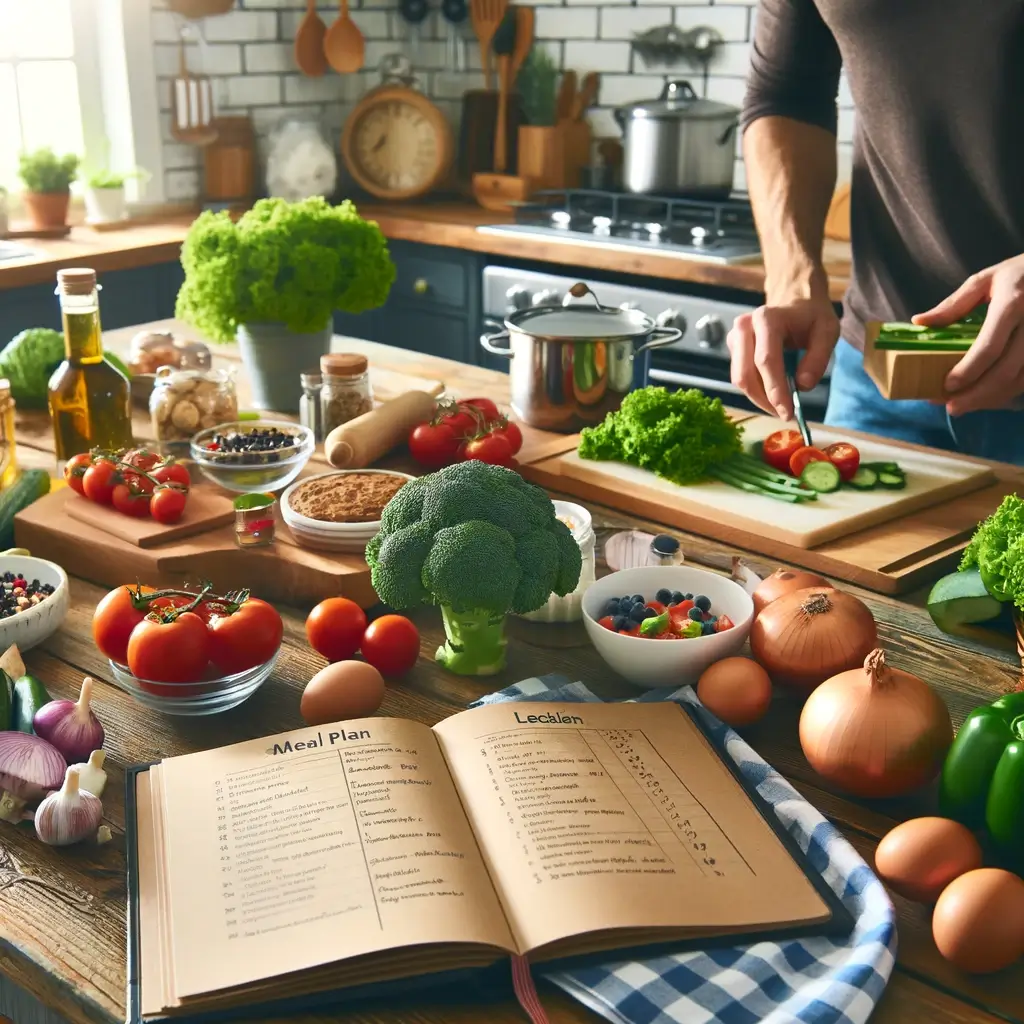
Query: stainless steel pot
(678,144)
(573,364)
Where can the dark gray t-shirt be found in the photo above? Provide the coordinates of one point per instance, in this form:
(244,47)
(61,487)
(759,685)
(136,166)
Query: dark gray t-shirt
(938,154)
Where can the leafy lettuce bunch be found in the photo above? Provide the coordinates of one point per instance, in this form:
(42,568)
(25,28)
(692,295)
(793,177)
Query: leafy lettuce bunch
(281,262)
(997,552)
(676,434)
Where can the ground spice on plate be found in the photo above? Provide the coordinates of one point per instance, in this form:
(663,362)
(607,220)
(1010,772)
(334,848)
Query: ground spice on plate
(346,497)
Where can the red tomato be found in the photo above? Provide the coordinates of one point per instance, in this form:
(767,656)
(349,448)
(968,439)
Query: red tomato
(779,447)
(99,481)
(511,432)
(723,623)
(129,501)
(491,448)
(118,613)
(391,644)
(486,407)
(168,504)
(844,457)
(172,473)
(142,459)
(169,647)
(335,628)
(802,456)
(434,445)
(74,471)
(244,637)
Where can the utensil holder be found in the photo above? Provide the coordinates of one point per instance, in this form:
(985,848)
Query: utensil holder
(542,155)
(476,132)
(502,191)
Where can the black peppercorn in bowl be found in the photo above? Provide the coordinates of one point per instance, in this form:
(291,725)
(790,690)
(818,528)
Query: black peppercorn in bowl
(34,599)
(253,456)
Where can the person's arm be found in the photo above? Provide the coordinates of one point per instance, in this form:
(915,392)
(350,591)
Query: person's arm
(789,143)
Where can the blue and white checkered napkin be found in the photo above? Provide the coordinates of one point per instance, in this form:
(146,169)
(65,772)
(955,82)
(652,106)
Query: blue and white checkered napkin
(810,980)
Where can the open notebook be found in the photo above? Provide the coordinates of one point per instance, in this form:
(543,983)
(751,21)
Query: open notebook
(330,861)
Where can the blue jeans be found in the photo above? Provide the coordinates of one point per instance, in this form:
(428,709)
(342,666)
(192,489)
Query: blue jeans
(855,402)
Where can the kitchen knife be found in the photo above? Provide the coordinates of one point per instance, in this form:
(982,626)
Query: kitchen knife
(790,360)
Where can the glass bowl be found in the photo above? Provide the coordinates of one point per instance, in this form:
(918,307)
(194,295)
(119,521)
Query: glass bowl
(207,697)
(227,470)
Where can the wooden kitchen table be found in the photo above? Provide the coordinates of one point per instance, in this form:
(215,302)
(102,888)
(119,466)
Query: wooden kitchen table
(62,915)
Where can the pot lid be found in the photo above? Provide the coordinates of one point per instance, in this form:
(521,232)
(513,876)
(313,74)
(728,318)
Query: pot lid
(678,101)
(581,323)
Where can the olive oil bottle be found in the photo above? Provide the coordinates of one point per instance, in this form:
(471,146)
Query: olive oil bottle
(90,400)
(8,450)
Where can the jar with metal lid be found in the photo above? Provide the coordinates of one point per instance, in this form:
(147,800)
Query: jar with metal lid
(187,401)
(345,392)
(570,607)
(310,413)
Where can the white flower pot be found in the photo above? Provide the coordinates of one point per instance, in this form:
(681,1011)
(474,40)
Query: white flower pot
(105,205)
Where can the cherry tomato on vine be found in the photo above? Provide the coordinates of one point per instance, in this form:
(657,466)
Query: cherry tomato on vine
(167,504)
(99,481)
(172,473)
(488,409)
(434,445)
(245,637)
(130,500)
(491,448)
(119,612)
(74,471)
(335,628)
(142,459)
(511,432)
(169,647)
(391,644)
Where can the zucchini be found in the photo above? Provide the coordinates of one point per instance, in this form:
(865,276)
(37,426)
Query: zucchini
(822,477)
(865,479)
(790,495)
(30,485)
(29,696)
(6,700)
(892,481)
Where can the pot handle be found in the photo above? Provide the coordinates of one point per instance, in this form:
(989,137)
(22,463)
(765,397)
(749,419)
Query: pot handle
(660,337)
(678,89)
(728,133)
(487,341)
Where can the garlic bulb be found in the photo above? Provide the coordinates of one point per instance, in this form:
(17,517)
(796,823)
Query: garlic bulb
(69,815)
(91,776)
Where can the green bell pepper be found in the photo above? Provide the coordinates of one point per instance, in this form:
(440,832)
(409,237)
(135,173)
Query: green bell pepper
(982,781)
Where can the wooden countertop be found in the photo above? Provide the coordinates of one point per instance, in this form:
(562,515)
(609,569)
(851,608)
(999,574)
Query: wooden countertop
(62,930)
(447,223)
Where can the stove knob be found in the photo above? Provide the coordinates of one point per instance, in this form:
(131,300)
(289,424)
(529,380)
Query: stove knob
(517,297)
(710,331)
(547,297)
(672,318)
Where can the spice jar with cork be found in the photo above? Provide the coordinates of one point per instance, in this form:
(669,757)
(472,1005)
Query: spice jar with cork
(345,391)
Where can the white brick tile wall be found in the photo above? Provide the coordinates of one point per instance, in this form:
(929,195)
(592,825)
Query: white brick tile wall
(249,54)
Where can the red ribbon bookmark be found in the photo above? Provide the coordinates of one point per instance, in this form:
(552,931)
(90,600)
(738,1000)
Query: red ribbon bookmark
(526,991)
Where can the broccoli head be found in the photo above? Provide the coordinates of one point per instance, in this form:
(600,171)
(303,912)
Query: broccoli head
(479,541)
(997,551)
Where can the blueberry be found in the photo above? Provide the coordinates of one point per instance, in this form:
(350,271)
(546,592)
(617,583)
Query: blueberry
(650,613)
(638,613)
(702,602)
(677,597)
(707,629)
(638,599)
(621,623)
(687,597)
(612,607)
(696,614)
(664,596)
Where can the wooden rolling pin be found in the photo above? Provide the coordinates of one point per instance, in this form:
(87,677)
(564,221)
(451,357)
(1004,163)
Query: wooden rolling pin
(363,440)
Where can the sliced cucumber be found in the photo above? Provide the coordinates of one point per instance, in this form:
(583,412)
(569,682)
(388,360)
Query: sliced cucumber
(822,477)
(884,467)
(865,479)
(892,481)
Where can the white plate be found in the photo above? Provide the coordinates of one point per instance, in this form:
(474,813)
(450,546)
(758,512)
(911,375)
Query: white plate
(316,526)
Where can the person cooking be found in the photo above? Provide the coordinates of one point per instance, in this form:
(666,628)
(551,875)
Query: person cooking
(937,207)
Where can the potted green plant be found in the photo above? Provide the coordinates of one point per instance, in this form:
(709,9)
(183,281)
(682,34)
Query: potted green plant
(272,280)
(541,144)
(47,179)
(105,201)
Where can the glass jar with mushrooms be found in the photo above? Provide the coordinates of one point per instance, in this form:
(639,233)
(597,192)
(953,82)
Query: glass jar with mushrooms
(187,401)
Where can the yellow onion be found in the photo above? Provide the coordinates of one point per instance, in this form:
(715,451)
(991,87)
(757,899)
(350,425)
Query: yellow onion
(805,637)
(785,581)
(875,731)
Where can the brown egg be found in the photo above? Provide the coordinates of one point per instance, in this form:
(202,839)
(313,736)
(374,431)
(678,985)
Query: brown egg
(978,921)
(736,690)
(346,689)
(919,858)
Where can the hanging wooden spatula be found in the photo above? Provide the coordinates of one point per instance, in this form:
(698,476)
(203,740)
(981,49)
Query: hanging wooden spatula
(191,104)
(486,17)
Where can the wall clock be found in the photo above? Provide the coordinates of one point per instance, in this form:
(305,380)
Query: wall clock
(396,143)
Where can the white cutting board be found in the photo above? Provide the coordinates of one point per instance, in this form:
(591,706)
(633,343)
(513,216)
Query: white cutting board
(931,479)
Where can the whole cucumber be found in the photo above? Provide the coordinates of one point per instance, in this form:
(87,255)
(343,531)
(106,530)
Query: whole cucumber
(29,696)
(6,700)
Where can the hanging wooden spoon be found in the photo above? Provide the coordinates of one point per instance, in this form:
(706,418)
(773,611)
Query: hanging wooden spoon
(309,43)
(344,45)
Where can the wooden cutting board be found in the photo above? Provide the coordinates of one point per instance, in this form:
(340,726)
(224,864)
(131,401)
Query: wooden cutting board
(205,510)
(931,480)
(282,572)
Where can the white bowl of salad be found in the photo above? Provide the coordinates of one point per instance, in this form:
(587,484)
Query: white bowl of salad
(662,625)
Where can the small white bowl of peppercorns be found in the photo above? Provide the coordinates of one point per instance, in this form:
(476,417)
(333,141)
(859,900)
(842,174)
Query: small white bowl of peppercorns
(34,599)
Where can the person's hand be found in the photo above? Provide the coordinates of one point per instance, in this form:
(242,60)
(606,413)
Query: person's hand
(991,374)
(756,342)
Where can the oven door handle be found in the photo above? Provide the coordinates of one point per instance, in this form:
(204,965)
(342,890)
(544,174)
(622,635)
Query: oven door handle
(688,380)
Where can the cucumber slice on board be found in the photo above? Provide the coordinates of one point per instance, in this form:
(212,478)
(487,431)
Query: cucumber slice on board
(822,477)
(892,481)
(865,479)
(961,599)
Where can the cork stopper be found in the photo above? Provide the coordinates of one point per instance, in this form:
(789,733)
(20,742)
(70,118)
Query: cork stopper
(343,364)
(5,388)
(76,281)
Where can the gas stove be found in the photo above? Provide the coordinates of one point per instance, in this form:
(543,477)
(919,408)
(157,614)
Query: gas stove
(690,229)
